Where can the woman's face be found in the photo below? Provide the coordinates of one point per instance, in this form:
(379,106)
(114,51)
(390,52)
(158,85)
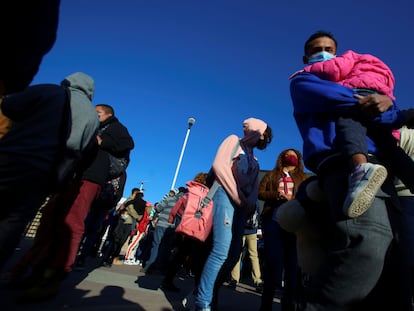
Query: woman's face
(290,158)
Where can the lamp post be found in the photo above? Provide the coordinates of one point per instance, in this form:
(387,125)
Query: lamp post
(191,121)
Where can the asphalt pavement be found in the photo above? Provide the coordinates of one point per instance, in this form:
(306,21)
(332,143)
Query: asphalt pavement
(124,288)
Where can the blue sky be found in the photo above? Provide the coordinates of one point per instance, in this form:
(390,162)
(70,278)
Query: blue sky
(159,62)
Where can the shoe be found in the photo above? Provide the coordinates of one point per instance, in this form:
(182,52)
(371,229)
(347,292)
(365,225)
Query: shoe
(259,287)
(169,287)
(79,265)
(188,302)
(106,264)
(232,284)
(363,185)
(131,262)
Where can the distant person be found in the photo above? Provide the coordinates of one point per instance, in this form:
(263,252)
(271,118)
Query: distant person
(280,259)
(184,247)
(163,231)
(141,229)
(117,237)
(235,197)
(250,252)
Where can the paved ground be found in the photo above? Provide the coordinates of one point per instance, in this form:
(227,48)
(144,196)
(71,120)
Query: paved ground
(124,288)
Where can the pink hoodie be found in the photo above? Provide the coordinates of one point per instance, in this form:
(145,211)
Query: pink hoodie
(222,164)
(356,71)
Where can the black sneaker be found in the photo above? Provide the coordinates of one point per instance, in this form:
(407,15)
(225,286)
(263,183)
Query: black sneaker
(106,264)
(79,265)
(259,287)
(169,287)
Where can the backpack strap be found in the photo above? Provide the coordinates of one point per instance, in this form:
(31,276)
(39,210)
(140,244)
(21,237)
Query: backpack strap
(215,185)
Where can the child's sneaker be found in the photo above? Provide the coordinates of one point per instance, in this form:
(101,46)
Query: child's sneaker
(364,183)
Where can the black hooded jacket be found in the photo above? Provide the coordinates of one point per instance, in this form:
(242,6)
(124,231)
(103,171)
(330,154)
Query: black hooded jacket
(117,141)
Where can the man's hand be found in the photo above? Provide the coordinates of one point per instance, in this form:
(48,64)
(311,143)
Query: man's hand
(373,104)
(99,139)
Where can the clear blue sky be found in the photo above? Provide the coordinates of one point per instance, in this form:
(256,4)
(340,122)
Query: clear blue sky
(219,61)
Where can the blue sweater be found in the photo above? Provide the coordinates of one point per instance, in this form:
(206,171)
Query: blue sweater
(317,103)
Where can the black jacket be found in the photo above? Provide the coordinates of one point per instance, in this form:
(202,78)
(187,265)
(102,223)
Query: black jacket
(115,140)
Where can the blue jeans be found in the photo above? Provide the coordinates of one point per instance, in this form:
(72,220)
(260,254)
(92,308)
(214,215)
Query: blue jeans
(159,233)
(365,266)
(226,247)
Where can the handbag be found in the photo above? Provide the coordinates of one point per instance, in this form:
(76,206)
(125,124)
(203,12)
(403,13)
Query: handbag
(116,166)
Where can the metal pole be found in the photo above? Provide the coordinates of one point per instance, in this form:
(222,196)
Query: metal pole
(190,124)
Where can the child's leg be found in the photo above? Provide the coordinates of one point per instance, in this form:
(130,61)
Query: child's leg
(351,140)
(366,178)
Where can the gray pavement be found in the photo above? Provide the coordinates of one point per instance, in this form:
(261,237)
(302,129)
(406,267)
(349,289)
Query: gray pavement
(125,288)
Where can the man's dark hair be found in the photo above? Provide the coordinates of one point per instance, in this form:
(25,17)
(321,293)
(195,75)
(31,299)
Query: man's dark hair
(319,34)
(107,108)
(134,190)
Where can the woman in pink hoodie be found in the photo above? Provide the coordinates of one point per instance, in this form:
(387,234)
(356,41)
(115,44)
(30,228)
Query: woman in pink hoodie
(236,196)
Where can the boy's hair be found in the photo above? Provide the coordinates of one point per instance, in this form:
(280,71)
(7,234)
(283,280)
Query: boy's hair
(319,34)
(108,109)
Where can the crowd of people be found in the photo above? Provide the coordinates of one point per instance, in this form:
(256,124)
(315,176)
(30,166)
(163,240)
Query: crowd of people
(357,144)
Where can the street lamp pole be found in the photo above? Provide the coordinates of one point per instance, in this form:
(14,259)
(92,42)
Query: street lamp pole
(191,121)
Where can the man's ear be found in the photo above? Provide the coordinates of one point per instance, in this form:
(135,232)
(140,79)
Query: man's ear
(305,59)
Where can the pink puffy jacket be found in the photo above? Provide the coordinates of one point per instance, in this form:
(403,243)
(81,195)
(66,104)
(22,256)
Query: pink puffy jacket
(356,71)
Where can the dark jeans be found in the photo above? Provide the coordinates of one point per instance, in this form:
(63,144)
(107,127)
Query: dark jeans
(351,139)
(161,234)
(365,268)
(20,202)
(280,259)
(185,249)
(117,239)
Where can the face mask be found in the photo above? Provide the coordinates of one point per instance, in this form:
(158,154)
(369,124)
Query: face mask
(125,217)
(290,160)
(320,57)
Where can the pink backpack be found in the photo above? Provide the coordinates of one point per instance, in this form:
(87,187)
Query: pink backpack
(197,219)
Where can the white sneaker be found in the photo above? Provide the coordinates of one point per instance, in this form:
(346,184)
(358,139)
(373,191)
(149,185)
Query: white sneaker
(363,185)
(129,261)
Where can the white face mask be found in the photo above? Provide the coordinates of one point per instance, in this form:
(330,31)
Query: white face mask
(320,57)
(125,216)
